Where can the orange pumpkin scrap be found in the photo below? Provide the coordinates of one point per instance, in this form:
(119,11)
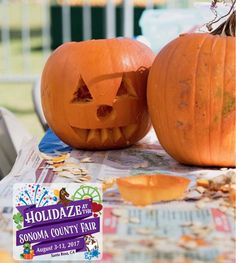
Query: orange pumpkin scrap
(191,98)
(147,189)
(232,195)
(198,241)
(94,92)
(203,183)
(6,256)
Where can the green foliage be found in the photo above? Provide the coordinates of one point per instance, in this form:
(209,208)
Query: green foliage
(18,220)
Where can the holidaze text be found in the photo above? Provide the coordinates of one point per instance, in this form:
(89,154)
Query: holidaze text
(49,214)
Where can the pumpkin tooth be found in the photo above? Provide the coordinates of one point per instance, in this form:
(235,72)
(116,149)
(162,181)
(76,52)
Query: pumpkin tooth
(117,134)
(93,136)
(83,133)
(129,130)
(105,136)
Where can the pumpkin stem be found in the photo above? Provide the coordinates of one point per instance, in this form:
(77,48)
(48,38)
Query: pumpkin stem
(228,28)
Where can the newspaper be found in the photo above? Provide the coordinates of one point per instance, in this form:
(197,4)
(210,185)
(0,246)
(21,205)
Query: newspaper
(147,157)
(173,231)
(131,234)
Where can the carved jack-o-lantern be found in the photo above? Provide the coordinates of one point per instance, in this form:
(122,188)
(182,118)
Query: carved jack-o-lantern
(94,92)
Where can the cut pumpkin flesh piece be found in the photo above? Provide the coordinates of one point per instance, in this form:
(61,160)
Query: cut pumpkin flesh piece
(117,135)
(93,136)
(147,189)
(129,130)
(106,136)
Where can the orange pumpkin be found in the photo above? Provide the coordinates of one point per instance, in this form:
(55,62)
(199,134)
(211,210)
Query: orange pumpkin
(191,99)
(94,92)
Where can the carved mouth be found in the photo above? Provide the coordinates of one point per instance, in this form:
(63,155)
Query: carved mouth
(115,135)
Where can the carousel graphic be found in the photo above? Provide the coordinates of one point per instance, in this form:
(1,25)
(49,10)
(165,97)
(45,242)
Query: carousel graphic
(85,192)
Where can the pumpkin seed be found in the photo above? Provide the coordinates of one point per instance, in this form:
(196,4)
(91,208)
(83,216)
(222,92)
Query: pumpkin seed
(225,188)
(222,208)
(193,195)
(200,204)
(57,169)
(141,165)
(187,224)
(190,245)
(84,178)
(144,231)
(224,169)
(86,160)
(134,220)
(233,179)
(118,212)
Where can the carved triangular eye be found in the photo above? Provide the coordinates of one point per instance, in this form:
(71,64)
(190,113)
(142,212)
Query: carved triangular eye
(122,89)
(82,93)
(126,89)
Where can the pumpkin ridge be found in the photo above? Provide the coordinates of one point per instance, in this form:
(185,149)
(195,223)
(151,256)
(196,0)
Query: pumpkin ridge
(210,115)
(223,95)
(195,89)
(210,102)
(192,99)
(153,107)
(150,92)
(165,95)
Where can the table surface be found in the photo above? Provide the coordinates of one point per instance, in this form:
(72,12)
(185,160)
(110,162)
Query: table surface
(164,232)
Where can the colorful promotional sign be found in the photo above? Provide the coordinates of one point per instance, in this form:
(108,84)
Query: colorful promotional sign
(57,221)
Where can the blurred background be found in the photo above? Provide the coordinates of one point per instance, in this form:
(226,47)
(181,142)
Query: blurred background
(31,29)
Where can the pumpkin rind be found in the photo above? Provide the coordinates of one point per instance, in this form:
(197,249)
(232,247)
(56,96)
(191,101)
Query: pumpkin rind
(191,99)
(94,93)
(147,189)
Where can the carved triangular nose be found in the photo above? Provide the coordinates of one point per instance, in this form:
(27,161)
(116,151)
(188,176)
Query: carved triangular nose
(104,111)
(104,91)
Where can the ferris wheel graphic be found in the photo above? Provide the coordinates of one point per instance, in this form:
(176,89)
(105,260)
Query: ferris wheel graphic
(85,192)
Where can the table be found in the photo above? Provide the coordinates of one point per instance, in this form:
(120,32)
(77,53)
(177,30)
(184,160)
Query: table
(178,231)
